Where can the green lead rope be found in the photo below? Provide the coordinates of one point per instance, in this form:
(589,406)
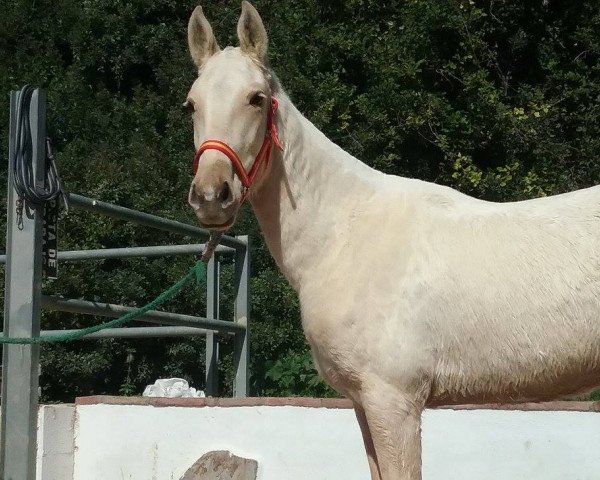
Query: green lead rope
(197,273)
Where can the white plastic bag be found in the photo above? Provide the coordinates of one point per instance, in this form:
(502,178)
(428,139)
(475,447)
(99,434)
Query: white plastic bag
(171,388)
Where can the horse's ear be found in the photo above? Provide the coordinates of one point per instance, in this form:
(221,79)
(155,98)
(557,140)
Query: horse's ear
(251,33)
(201,40)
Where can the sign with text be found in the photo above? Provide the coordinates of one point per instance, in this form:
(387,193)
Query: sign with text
(49,239)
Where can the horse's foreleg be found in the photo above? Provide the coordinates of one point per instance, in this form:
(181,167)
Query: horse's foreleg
(394,422)
(368,441)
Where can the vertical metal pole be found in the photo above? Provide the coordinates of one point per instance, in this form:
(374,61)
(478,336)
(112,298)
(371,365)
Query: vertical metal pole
(242,311)
(22,313)
(212,313)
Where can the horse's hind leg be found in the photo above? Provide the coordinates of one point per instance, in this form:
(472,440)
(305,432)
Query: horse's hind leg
(394,422)
(368,441)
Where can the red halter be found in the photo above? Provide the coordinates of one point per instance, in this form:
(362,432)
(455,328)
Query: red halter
(264,154)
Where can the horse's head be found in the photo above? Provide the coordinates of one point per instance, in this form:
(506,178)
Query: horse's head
(232,111)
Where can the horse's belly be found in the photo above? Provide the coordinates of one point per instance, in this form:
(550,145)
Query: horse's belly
(538,380)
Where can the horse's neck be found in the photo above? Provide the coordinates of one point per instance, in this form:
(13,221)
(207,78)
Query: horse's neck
(308,196)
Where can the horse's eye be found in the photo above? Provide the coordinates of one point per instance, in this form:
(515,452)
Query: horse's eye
(257,99)
(188,106)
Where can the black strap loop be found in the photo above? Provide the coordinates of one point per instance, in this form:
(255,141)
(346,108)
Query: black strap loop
(30,195)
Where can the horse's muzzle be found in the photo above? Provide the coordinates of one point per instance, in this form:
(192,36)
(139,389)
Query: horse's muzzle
(215,205)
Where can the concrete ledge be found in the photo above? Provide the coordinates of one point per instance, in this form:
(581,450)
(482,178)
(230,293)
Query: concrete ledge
(308,402)
(218,401)
(294,439)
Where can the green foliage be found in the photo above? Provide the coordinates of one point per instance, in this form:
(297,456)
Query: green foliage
(295,374)
(498,99)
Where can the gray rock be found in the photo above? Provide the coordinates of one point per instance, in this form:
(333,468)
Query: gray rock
(222,465)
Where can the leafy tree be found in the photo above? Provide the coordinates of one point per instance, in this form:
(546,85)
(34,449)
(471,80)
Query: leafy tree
(497,99)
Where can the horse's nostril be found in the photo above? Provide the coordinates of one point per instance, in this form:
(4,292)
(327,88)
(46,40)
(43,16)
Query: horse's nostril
(225,193)
(194,199)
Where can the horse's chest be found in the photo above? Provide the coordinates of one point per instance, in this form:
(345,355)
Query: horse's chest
(336,352)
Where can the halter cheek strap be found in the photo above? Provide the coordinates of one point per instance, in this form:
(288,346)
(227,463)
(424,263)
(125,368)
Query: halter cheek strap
(264,154)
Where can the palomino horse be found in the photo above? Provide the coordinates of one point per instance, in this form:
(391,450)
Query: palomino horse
(412,294)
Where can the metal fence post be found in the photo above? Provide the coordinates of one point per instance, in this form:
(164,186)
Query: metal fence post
(242,311)
(22,312)
(212,313)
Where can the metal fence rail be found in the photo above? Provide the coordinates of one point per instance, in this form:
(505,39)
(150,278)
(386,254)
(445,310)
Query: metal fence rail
(132,252)
(135,332)
(153,316)
(24,301)
(146,219)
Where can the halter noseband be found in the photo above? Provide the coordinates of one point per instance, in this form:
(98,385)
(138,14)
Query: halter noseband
(264,154)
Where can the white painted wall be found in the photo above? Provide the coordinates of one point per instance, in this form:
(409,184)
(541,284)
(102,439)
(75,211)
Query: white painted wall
(511,445)
(129,442)
(142,442)
(55,442)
